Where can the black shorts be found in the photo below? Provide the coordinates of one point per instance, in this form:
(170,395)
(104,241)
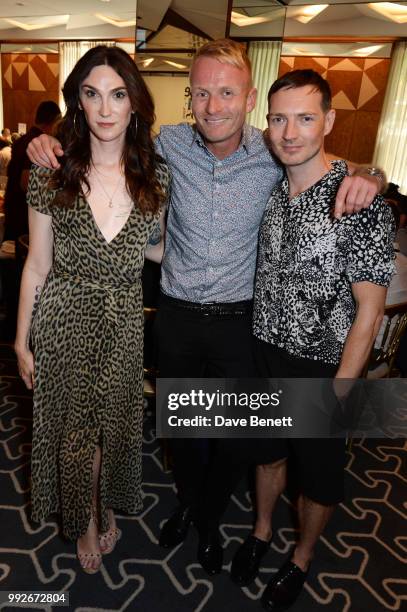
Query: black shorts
(319,463)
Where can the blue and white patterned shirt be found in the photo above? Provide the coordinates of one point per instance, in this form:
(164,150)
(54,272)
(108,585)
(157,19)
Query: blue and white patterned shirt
(214,214)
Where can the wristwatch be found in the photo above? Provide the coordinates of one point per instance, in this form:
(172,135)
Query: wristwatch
(372,171)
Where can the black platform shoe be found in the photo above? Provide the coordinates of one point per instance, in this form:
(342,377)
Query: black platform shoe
(246,561)
(176,528)
(284,588)
(210,552)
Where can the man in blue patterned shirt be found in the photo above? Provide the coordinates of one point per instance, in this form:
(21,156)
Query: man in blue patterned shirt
(319,300)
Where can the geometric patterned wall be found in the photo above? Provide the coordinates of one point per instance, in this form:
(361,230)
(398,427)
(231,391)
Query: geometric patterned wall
(27,80)
(358,87)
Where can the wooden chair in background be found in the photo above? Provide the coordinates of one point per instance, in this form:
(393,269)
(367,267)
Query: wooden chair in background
(381,360)
(150,371)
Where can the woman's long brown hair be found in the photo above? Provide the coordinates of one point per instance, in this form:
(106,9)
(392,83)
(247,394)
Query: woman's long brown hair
(139,158)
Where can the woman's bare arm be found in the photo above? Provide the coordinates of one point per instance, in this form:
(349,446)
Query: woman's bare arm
(36,268)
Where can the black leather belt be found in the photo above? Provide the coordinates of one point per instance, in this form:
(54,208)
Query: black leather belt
(217,309)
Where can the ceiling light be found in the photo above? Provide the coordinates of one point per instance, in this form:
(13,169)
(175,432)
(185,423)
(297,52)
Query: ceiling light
(174,64)
(305,14)
(302,51)
(147,61)
(115,21)
(243,21)
(40,22)
(363,51)
(390,10)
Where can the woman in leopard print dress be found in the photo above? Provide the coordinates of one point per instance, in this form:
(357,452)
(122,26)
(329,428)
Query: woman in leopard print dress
(91,223)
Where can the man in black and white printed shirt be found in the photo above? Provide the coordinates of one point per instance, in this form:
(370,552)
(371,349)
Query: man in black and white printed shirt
(319,299)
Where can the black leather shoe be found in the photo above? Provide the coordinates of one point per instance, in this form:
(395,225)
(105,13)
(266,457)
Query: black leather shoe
(284,588)
(246,561)
(210,553)
(176,528)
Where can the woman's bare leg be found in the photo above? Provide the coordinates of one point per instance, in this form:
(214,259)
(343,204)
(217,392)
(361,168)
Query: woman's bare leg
(88,544)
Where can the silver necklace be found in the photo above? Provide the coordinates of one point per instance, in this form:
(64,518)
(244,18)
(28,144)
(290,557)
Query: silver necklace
(109,197)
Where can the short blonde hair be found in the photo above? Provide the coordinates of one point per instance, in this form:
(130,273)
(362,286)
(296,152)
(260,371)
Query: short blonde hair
(226,51)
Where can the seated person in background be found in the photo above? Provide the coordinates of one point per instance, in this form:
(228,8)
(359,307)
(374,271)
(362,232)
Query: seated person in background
(5,157)
(5,136)
(398,203)
(18,171)
(15,206)
(402,205)
(402,239)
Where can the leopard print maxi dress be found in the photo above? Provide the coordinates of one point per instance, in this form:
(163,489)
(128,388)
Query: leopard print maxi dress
(87,338)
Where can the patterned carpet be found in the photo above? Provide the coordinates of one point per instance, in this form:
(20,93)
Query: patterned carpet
(360,563)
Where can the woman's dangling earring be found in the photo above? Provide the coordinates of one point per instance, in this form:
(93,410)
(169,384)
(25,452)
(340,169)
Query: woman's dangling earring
(135,124)
(75,127)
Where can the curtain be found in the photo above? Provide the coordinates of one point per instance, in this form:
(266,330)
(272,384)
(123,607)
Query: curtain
(265,58)
(391,142)
(69,53)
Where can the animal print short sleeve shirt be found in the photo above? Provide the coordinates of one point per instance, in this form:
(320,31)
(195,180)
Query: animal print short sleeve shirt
(307,262)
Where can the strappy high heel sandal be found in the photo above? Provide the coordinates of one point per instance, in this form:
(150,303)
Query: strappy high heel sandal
(83,558)
(113,536)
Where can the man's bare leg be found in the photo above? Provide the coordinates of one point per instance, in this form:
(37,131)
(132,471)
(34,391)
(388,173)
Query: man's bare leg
(285,586)
(270,483)
(313,518)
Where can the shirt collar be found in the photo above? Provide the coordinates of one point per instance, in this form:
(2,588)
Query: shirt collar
(339,170)
(245,142)
(196,137)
